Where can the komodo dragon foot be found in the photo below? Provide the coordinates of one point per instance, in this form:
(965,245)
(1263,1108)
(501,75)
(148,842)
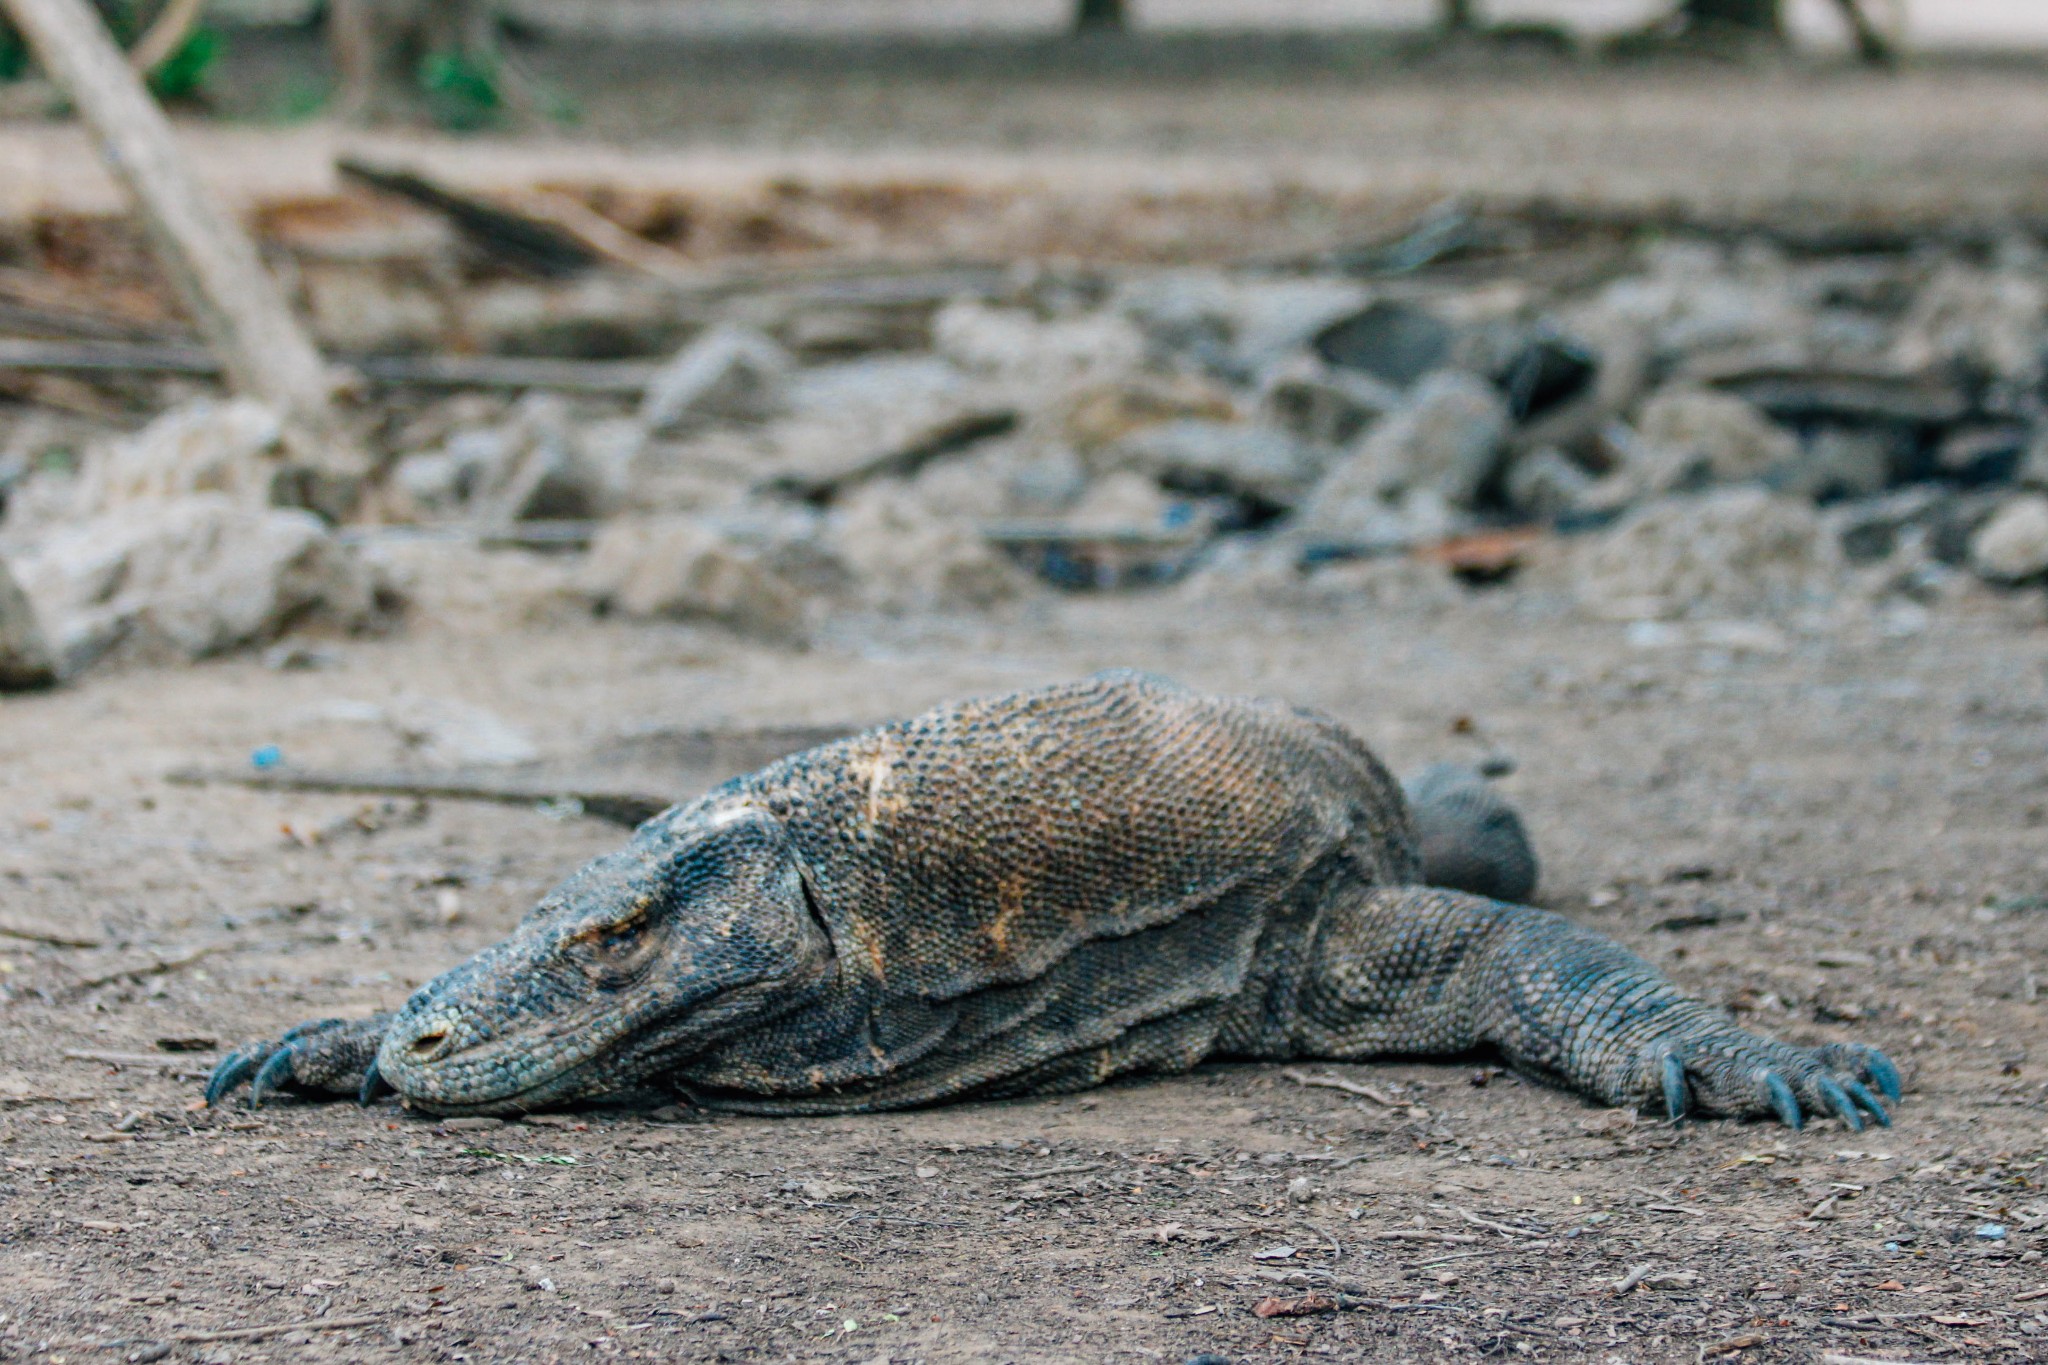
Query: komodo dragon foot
(1035,893)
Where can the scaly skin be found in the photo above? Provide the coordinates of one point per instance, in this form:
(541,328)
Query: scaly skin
(1034,893)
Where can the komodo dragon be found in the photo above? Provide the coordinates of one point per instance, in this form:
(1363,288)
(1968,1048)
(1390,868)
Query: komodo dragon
(1031,894)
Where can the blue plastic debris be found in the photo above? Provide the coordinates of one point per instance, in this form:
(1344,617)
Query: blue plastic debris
(1893,1246)
(268,756)
(1992,1232)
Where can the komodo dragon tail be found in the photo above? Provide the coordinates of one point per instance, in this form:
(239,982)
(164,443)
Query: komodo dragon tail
(1469,837)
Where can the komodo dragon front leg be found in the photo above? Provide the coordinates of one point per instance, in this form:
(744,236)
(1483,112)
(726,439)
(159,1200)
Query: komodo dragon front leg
(1424,972)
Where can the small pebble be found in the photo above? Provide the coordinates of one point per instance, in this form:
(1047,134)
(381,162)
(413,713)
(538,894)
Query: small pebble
(1991,1232)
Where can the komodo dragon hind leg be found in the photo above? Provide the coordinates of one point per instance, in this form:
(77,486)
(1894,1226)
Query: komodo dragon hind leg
(1420,971)
(329,1056)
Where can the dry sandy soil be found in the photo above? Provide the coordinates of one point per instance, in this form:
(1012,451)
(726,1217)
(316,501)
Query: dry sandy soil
(1859,816)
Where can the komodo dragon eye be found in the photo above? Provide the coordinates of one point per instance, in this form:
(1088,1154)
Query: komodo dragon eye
(616,949)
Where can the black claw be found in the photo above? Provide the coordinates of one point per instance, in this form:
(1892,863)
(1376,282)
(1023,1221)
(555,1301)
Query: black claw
(1869,1102)
(1782,1100)
(1676,1098)
(1884,1073)
(237,1067)
(1838,1100)
(374,1085)
(274,1074)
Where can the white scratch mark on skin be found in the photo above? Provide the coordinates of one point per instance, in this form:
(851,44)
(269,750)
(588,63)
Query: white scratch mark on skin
(878,780)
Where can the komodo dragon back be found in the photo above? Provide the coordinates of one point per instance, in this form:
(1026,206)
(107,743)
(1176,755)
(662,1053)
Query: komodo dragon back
(1034,893)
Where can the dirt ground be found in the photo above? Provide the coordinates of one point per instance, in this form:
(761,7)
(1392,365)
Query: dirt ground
(1841,840)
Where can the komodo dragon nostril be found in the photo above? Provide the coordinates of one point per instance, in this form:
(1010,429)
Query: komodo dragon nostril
(427,1044)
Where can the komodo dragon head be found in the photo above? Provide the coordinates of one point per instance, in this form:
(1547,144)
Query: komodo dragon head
(703,924)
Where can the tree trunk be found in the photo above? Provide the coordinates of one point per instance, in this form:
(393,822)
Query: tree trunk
(1101,16)
(1755,16)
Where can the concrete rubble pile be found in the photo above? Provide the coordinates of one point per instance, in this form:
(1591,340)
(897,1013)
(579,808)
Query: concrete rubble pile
(1713,428)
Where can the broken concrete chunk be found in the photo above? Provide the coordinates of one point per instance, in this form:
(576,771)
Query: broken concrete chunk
(681,569)
(1987,321)
(1547,484)
(729,373)
(905,557)
(25,658)
(1731,551)
(189,577)
(1232,459)
(1396,343)
(1098,417)
(233,447)
(2012,547)
(1691,437)
(1014,343)
(1322,404)
(1444,446)
(1236,327)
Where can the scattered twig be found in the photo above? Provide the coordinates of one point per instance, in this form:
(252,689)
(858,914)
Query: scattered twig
(54,937)
(176,1065)
(1012,1173)
(1379,1097)
(620,808)
(1476,1221)
(279,1329)
(140,971)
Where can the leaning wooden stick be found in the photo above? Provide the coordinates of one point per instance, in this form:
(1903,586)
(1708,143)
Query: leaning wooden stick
(208,257)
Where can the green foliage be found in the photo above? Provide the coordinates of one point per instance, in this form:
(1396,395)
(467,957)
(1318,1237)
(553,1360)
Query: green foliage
(184,72)
(13,55)
(462,89)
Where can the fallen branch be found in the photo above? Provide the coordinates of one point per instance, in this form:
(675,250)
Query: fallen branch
(55,938)
(280,1328)
(1379,1097)
(139,1059)
(619,808)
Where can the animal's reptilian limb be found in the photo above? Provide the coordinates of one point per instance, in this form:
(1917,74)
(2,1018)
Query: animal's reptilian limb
(1426,972)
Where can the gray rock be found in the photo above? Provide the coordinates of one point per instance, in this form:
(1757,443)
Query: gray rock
(728,373)
(1263,464)
(1547,484)
(1014,343)
(1693,436)
(232,446)
(1234,326)
(1871,529)
(1839,462)
(680,569)
(1322,404)
(1394,342)
(25,658)
(2033,467)
(1445,445)
(1990,321)
(189,577)
(1730,551)
(2012,546)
